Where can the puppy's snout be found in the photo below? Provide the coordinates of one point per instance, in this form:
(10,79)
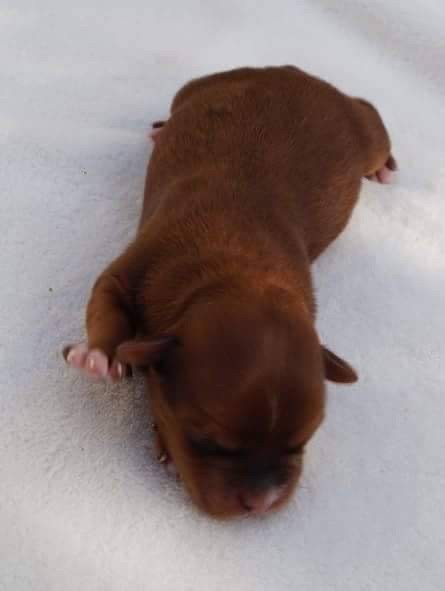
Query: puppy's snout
(265,485)
(259,503)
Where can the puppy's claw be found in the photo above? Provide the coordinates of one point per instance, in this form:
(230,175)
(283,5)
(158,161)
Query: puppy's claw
(162,458)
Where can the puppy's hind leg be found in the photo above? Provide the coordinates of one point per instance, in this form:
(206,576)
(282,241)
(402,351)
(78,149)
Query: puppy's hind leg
(379,163)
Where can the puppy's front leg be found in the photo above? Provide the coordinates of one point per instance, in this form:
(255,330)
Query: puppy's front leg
(110,319)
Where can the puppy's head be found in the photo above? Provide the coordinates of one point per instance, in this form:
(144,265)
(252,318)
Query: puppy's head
(237,392)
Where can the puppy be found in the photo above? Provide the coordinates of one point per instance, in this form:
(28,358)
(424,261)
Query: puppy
(253,175)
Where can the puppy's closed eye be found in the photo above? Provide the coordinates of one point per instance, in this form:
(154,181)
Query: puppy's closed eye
(210,448)
(294,450)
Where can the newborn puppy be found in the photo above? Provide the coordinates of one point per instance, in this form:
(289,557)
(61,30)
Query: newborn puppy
(252,176)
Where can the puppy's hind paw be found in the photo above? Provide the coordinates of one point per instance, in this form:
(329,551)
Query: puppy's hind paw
(385,174)
(156,128)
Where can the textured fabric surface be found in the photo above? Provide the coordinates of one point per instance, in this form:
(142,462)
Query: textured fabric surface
(83,504)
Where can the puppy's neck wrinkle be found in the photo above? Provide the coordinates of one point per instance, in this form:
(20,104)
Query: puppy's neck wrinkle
(216,246)
(171,289)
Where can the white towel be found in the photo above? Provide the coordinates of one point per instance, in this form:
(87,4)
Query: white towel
(83,504)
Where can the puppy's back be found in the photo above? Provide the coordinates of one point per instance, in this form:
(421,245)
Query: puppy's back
(273,143)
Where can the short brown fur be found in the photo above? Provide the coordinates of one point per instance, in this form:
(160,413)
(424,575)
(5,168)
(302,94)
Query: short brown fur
(254,174)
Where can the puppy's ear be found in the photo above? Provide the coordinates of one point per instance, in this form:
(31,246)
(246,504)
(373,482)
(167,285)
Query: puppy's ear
(336,369)
(145,353)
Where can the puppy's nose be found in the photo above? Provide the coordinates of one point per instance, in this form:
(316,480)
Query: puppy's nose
(259,503)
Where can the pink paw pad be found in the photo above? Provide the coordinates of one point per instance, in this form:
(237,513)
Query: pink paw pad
(96,364)
(76,356)
(93,363)
(385,174)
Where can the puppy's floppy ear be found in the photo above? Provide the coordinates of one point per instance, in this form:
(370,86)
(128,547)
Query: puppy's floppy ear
(336,369)
(145,353)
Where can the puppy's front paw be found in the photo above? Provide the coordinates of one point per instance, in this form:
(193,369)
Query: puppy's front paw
(94,363)
(385,174)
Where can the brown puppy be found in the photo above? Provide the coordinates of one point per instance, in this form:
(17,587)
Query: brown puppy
(253,175)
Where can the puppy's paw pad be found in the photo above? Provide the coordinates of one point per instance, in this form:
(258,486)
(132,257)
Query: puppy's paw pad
(117,371)
(94,363)
(75,355)
(385,174)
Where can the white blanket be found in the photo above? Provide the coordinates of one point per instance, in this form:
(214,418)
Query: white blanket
(83,503)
